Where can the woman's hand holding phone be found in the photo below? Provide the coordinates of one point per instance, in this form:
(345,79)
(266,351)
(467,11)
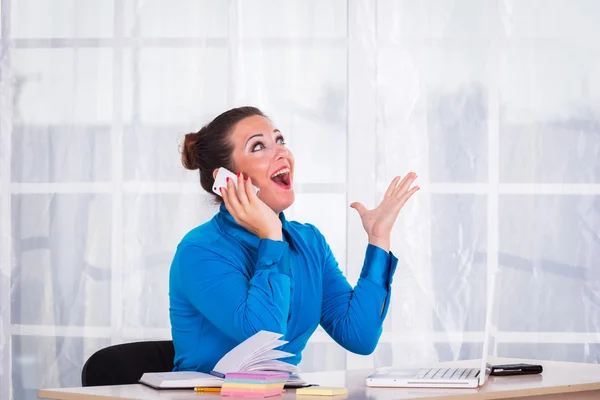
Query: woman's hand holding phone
(249,211)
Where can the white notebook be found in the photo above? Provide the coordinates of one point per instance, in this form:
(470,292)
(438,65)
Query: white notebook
(180,380)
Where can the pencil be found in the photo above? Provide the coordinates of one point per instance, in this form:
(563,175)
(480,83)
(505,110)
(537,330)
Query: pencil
(207,389)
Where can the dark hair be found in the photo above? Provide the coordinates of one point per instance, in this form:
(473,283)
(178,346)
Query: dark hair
(210,147)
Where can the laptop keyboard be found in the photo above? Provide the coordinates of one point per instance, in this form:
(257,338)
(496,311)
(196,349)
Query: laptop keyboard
(447,373)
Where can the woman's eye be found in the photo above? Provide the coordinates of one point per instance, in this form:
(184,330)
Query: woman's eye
(280,140)
(258,146)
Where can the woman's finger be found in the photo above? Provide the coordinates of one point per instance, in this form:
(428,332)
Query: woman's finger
(392,186)
(250,190)
(234,202)
(241,191)
(225,197)
(404,198)
(405,184)
(228,206)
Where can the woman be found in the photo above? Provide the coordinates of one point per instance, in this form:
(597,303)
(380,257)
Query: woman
(249,269)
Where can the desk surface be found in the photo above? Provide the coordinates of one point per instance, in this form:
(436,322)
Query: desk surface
(560,380)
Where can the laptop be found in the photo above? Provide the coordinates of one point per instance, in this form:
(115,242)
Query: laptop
(444,377)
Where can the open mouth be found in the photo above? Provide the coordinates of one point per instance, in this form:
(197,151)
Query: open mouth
(282,178)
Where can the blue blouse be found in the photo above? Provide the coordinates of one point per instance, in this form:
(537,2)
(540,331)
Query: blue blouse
(226,284)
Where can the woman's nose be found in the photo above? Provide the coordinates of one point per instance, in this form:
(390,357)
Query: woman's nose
(281,152)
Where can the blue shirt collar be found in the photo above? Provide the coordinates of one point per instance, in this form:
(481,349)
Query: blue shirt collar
(232,228)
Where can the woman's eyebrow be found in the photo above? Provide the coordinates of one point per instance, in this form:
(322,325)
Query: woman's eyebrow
(253,136)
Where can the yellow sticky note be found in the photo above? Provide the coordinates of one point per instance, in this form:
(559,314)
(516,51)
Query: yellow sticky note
(322,391)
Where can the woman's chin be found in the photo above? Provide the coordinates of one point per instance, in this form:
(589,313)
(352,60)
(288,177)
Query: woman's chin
(280,201)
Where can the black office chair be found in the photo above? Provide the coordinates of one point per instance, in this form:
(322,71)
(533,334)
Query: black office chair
(124,364)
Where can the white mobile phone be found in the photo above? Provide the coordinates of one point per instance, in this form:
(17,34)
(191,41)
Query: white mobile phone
(221,181)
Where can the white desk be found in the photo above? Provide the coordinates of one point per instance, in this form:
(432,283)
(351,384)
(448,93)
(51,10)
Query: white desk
(559,380)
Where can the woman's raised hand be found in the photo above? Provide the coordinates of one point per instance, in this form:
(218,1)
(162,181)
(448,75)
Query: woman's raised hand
(379,221)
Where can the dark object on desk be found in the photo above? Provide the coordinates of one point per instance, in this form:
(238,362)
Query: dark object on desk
(124,364)
(516,369)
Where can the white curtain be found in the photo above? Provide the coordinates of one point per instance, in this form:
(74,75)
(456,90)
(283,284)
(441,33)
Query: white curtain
(496,105)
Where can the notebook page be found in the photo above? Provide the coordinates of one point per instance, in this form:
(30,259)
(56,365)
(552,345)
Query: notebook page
(247,350)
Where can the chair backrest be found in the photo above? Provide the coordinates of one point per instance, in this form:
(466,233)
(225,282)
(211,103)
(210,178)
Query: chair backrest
(124,364)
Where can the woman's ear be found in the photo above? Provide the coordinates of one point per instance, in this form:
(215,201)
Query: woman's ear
(215,173)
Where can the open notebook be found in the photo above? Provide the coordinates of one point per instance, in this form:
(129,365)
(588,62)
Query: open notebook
(257,353)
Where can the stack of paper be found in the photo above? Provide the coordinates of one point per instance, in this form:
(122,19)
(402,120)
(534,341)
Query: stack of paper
(253,384)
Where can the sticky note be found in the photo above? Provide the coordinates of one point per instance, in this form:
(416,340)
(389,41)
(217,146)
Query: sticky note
(322,391)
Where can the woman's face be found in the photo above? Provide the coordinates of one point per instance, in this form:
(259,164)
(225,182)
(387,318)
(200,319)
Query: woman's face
(259,152)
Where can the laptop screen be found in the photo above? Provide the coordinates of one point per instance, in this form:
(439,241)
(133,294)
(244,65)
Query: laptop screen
(491,325)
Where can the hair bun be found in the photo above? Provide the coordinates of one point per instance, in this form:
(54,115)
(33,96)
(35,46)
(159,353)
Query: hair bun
(188,154)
